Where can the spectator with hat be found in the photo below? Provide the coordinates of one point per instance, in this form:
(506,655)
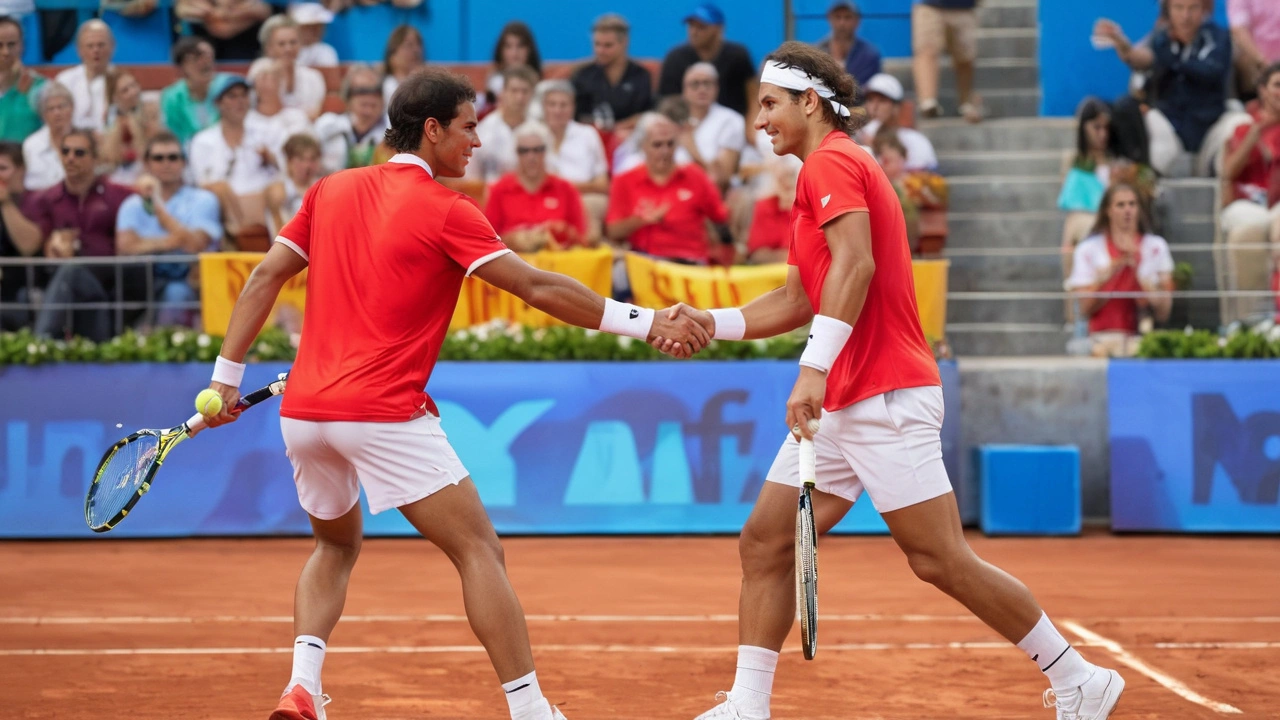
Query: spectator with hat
(884,105)
(313,18)
(860,58)
(705,27)
(234,159)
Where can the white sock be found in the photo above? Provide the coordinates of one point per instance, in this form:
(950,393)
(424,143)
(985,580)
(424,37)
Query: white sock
(1055,657)
(308,657)
(524,698)
(753,685)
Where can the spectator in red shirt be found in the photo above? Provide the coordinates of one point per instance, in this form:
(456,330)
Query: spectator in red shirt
(659,208)
(1253,154)
(770,237)
(1122,256)
(77,217)
(531,209)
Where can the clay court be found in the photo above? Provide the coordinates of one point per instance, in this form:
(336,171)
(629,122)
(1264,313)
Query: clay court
(625,628)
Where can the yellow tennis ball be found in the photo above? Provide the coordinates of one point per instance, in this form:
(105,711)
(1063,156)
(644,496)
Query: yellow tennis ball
(208,402)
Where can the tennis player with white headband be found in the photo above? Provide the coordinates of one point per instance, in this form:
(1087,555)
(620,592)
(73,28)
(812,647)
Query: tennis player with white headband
(870,376)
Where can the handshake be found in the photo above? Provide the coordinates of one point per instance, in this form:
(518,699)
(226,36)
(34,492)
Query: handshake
(681,331)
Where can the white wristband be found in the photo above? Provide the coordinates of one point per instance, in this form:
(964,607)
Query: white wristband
(625,319)
(731,324)
(227,372)
(827,337)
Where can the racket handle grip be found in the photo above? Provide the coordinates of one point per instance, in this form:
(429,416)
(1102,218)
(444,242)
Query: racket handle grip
(196,423)
(808,462)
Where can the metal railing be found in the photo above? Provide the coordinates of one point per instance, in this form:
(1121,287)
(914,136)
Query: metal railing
(37,272)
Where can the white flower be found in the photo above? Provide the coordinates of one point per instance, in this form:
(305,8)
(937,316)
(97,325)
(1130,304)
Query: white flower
(203,340)
(625,341)
(760,344)
(142,341)
(178,337)
(1222,342)
(31,348)
(540,334)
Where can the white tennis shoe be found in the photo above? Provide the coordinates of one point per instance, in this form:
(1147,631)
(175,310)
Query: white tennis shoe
(726,710)
(1094,700)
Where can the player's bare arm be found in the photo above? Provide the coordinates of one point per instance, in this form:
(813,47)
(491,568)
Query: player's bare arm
(843,294)
(248,316)
(566,299)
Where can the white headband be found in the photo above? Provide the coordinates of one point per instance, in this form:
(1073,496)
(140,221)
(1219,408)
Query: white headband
(793,78)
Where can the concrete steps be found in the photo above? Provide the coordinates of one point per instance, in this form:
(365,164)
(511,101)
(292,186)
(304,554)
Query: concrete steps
(1002,340)
(1000,135)
(1004,193)
(955,164)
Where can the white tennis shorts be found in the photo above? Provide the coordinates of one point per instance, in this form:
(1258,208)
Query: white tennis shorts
(397,463)
(890,444)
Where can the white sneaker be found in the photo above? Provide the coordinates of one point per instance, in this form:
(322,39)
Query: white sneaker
(320,701)
(726,710)
(1094,700)
(556,714)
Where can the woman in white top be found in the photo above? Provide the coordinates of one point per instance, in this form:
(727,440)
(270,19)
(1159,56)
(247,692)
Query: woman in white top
(715,136)
(304,88)
(405,53)
(42,150)
(269,109)
(576,152)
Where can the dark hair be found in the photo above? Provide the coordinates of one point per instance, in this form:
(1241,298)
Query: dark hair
(186,47)
(427,93)
(1102,225)
(11,20)
(9,149)
(397,38)
(1091,109)
(820,66)
(299,143)
(1267,72)
(522,31)
(1129,137)
(887,138)
(163,137)
(87,134)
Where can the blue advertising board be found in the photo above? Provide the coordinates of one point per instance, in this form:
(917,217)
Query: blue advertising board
(554,448)
(1195,445)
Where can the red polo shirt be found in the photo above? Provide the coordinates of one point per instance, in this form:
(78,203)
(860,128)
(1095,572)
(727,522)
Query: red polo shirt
(770,226)
(56,209)
(555,203)
(1257,172)
(682,232)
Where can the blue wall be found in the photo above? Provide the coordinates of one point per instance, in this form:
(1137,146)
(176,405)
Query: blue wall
(1070,69)
(1195,445)
(886,23)
(553,447)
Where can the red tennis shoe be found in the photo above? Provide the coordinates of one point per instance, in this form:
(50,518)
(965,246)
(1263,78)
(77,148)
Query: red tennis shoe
(298,704)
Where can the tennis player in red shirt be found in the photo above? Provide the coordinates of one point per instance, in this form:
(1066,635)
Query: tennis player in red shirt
(387,249)
(868,372)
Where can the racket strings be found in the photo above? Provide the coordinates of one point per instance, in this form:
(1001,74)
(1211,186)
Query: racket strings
(121,477)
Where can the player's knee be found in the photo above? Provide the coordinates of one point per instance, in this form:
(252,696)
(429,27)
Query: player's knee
(479,549)
(347,548)
(940,570)
(766,549)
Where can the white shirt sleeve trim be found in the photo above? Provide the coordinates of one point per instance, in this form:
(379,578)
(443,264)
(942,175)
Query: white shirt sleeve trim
(292,246)
(491,256)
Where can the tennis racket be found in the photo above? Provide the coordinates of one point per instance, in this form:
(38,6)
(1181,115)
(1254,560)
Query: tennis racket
(807,553)
(125,473)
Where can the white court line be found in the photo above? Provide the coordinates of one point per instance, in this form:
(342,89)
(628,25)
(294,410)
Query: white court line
(1246,645)
(1128,659)
(445,618)
(447,649)
(179,620)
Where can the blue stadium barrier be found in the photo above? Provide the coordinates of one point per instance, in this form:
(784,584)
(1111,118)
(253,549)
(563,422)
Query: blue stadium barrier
(555,448)
(1195,445)
(1029,489)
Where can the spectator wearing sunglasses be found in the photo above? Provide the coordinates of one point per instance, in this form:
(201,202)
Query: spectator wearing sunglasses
(349,139)
(661,208)
(77,218)
(168,216)
(40,149)
(531,209)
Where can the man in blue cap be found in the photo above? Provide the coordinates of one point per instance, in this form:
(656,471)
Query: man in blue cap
(860,58)
(705,25)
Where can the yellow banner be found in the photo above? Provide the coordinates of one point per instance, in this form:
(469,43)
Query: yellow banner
(658,284)
(222,277)
(655,284)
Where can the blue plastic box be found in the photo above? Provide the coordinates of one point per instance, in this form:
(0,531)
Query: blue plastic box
(1029,489)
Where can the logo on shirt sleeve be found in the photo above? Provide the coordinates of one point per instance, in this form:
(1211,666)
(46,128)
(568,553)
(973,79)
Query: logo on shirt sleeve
(826,200)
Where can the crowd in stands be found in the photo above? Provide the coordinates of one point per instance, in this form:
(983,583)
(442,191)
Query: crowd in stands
(1204,101)
(607,152)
